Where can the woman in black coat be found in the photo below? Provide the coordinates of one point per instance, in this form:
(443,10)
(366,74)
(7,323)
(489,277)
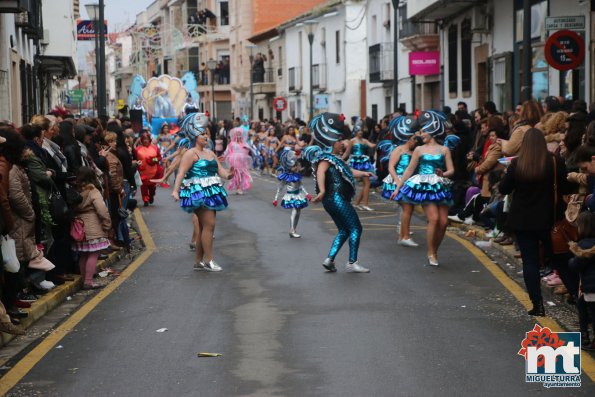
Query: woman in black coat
(530,180)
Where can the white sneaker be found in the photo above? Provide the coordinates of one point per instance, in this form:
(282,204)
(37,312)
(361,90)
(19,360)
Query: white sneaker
(469,221)
(329,265)
(45,284)
(356,268)
(365,207)
(212,266)
(408,243)
(455,218)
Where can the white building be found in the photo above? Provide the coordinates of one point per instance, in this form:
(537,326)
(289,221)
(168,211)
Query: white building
(481,50)
(338,68)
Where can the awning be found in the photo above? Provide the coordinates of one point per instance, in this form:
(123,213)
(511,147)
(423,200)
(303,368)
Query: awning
(57,65)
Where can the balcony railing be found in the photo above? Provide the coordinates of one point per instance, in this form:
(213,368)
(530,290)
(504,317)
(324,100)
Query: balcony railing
(319,76)
(295,78)
(381,62)
(411,28)
(265,75)
(30,20)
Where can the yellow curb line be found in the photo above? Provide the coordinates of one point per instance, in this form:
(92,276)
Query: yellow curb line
(20,369)
(587,362)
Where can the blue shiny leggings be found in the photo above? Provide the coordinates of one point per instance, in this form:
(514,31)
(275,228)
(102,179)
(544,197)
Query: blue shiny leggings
(347,221)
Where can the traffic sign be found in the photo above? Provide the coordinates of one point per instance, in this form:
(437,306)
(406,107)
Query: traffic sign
(567,23)
(321,101)
(76,95)
(565,50)
(280,104)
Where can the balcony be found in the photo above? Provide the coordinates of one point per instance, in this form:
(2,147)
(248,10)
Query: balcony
(13,6)
(204,33)
(30,19)
(295,79)
(264,81)
(319,76)
(381,62)
(419,36)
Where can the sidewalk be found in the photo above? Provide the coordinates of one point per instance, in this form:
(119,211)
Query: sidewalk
(48,302)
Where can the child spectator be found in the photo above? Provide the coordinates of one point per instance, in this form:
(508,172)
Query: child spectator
(97,224)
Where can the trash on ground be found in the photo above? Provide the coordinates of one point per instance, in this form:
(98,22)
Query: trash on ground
(550,303)
(59,347)
(69,298)
(509,265)
(470,233)
(474,271)
(464,306)
(209,354)
(102,274)
(162,330)
(483,244)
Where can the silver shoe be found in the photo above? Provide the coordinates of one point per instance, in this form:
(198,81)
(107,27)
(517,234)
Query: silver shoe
(365,207)
(356,268)
(432,261)
(294,235)
(199,266)
(212,266)
(408,243)
(329,265)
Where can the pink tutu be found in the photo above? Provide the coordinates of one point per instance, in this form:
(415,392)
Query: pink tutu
(236,156)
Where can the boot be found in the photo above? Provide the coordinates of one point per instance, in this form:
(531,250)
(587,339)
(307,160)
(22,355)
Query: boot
(538,309)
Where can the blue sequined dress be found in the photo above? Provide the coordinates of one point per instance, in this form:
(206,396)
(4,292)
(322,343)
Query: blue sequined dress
(296,195)
(426,187)
(388,185)
(202,188)
(359,160)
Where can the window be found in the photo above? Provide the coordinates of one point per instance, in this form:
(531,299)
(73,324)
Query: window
(466,37)
(224,13)
(338,46)
(452,60)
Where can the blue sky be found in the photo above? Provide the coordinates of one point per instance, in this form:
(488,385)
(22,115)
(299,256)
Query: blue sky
(119,13)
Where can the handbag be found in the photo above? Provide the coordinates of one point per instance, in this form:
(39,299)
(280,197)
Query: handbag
(58,207)
(77,229)
(575,204)
(9,255)
(563,232)
(122,212)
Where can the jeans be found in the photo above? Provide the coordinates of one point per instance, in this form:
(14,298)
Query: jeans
(528,241)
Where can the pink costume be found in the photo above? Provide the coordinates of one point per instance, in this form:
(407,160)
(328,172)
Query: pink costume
(237,157)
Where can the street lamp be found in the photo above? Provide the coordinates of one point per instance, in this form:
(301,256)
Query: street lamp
(396,4)
(251,47)
(310,27)
(95,11)
(93,96)
(212,64)
(81,101)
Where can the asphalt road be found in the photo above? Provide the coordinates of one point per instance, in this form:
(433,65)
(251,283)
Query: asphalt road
(286,328)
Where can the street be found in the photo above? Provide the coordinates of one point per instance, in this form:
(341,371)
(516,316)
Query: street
(286,328)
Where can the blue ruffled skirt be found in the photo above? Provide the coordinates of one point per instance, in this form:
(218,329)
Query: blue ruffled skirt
(206,192)
(388,187)
(426,189)
(361,163)
(296,199)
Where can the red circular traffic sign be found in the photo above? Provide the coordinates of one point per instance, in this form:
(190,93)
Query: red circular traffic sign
(280,104)
(565,50)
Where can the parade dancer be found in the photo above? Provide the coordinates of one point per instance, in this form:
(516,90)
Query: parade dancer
(335,186)
(295,197)
(237,157)
(430,187)
(199,188)
(357,153)
(403,129)
(149,157)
